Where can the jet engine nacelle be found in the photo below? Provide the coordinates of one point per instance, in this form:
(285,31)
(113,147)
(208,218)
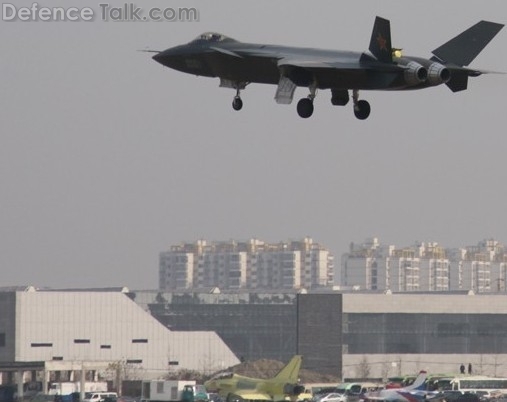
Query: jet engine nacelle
(438,74)
(415,73)
(293,389)
(300,76)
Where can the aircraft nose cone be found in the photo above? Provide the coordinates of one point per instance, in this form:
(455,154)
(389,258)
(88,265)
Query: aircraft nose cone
(171,57)
(158,57)
(163,57)
(184,58)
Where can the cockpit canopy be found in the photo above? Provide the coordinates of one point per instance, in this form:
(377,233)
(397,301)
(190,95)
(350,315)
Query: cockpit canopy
(212,37)
(223,376)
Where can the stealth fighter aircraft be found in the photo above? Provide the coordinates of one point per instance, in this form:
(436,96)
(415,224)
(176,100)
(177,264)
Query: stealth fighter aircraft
(382,67)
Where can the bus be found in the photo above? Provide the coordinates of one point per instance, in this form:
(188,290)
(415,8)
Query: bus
(438,382)
(474,384)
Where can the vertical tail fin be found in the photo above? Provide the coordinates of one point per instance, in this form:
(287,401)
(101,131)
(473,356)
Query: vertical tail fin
(380,42)
(458,81)
(290,372)
(465,47)
(418,382)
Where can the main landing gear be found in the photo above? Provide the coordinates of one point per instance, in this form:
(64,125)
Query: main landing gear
(361,107)
(305,105)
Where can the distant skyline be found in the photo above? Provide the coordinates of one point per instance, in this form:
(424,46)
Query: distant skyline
(107,158)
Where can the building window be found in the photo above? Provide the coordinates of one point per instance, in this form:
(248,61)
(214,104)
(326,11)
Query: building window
(57,357)
(41,345)
(134,361)
(139,340)
(81,341)
(2,339)
(105,346)
(173,363)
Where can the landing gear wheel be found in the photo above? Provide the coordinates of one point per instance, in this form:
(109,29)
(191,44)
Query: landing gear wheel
(237,103)
(362,110)
(305,108)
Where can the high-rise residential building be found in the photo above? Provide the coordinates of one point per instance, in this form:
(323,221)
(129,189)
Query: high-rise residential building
(425,267)
(252,264)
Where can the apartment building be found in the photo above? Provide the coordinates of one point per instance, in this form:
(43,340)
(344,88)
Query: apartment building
(425,267)
(253,264)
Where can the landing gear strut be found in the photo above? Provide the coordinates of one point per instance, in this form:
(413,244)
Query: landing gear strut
(305,105)
(361,107)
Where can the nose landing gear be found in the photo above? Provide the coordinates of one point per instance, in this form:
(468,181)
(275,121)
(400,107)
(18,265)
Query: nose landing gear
(237,103)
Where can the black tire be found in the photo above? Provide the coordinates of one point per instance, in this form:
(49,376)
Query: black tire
(305,108)
(363,109)
(237,103)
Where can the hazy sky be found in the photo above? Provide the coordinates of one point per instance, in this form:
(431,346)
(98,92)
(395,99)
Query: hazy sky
(108,158)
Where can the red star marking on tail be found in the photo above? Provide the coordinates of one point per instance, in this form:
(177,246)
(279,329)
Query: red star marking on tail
(382,42)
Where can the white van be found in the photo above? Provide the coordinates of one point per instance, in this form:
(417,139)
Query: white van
(99,396)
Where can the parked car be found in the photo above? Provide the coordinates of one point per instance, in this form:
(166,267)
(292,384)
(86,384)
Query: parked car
(332,397)
(100,397)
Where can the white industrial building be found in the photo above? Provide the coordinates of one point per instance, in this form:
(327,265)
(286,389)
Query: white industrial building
(96,328)
(253,264)
(386,333)
(395,334)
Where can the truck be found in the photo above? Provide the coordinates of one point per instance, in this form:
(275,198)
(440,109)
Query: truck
(172,391)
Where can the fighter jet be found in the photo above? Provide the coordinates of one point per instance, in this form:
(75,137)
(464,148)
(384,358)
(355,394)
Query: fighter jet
(236,388)
(382,67)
